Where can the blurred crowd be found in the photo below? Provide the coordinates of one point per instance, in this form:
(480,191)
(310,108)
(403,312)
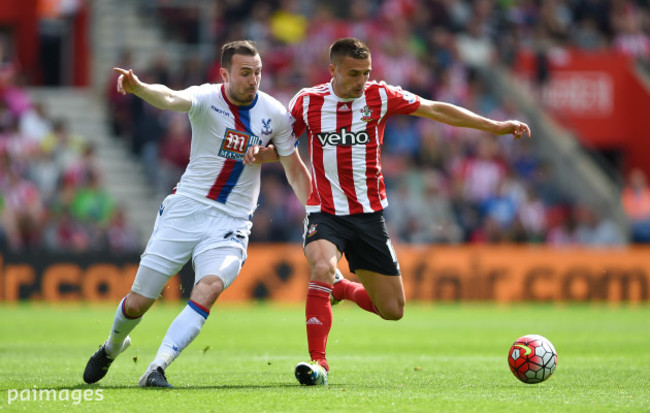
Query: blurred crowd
(51,195)
(445,184)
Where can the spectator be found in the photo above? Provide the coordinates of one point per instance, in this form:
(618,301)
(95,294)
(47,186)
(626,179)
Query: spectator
(586,35)
(532,216)
(500,207)
(475,48)
(91,203)
(595,231)
(65,234)
(118,112)
(121,237)
(67,147)
(288,24)
(636,203)
(174,152)
(484,172)
(35,124)
(630,39)
(22,212)
(562,227)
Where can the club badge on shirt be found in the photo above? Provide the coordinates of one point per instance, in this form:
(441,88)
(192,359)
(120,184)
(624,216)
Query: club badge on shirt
(267,129)
(367,114)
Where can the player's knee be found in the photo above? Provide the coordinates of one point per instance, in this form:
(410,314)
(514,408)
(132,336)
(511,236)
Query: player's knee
(136,305)
(393,312)
(323,272)
(207,290)
(392,315)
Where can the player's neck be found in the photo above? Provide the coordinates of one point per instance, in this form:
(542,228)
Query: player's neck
(339,94)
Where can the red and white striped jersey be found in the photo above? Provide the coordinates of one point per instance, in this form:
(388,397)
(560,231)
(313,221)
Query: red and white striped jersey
(221,134)
(345,138)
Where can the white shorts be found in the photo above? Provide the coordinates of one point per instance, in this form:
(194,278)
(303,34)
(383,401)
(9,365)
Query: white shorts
(186,229)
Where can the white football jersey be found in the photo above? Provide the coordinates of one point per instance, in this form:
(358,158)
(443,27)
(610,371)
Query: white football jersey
(221,134)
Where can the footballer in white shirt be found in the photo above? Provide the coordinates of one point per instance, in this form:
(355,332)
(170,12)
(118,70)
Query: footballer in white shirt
(207,217)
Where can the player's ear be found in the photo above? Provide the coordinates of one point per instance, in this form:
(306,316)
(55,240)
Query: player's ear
(225,75)
(332,69)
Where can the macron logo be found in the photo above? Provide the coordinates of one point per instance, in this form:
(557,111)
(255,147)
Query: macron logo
(314,321)
(220,111)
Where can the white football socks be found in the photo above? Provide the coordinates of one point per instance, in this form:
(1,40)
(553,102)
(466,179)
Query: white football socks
(180,334)
(122,326)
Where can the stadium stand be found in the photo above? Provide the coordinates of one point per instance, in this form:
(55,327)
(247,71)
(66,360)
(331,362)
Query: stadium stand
(446,185)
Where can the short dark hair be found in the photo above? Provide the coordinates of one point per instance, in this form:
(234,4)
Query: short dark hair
(349,47)
(242,47)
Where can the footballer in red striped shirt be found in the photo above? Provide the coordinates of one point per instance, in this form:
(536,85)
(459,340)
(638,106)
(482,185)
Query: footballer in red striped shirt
(344,121)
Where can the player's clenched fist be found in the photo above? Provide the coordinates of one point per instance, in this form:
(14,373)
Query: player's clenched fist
(514,127)
(128,82)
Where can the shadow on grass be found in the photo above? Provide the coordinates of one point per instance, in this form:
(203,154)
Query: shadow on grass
(188,387)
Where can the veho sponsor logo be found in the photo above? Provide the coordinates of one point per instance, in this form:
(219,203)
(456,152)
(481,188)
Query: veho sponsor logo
(343,137)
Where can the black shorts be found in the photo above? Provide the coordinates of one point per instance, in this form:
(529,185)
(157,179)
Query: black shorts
(363,238)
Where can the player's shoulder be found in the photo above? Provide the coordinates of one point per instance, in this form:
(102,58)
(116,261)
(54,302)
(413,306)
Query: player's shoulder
(204,89)
(267,99)
(392,91)
(269,102)
(208,86)
(322,89)
(380,84)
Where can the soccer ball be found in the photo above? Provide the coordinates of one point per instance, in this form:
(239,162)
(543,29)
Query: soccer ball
(532,359)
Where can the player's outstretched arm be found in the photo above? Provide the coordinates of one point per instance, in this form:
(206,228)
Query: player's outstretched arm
(458,116)
(156,95)
(297,175)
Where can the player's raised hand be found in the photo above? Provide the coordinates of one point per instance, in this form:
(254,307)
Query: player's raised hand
(128,82)
(514,127)
(256,155)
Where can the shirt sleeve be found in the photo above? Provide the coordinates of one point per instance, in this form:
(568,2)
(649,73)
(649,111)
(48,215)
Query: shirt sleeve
(200,98)
(284,140)
(296,111)
(401,101)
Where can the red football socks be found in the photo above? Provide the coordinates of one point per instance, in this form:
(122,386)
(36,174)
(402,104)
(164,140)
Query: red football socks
(318,313)
(348,290)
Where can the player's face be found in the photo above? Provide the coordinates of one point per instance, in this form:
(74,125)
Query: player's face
(350,76)
(243,79)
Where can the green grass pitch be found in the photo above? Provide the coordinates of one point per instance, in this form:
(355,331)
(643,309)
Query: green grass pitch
(438,358)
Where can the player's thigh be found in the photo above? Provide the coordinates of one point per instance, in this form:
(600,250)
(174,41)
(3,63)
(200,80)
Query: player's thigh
(176,232)
(385,291)
(324,239)
(148,284)
(370,248)
(322,251)
(222,252)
